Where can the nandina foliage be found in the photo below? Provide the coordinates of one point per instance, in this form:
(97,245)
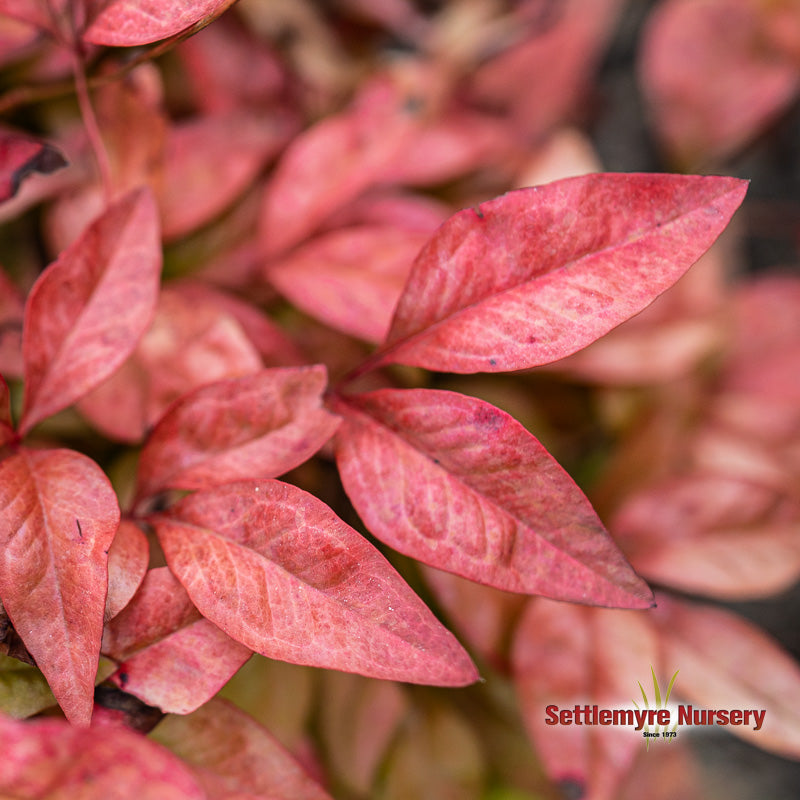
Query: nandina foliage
(223,432)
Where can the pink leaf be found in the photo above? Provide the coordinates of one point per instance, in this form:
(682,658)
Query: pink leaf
(727,662)
(539,273)
(302,586)
(59,517)
(20,156)
(260,425)
(458,484)
(198,184)
(350,279)
(170,656)
(445,149)
(88,310)
(126,23)
(565,656)
(127,564)
(47,759)
(359,723)
(273,344)
(190,342)
(234,756)
(483,615)
(332,163)
(229,67)
(748,76)
(542,80)
(713,535)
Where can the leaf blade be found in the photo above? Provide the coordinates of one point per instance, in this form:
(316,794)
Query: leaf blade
(60,516)
(126,23)
(537,274)
(88,310)
(303,586)
(437,476)
(259,425)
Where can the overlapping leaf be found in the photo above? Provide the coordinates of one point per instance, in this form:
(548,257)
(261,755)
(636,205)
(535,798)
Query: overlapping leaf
(715,535)
(198,184)
(749,74)
(359,720)
(351,278)
(279,572)
(20,156)
(87,311)
(539,273)
(542,77)
(126,23)
(260,425)
(128,557)
(47,759)
(564,655)
(460,485)
(727,662)
(59,516)
(332,163)
(191,342)
(170,657)
(235,757)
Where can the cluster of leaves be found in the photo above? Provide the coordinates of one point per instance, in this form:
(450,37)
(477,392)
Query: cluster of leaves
(244,264)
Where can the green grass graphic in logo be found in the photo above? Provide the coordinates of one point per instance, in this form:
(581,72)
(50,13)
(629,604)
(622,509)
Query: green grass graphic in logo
(658,702)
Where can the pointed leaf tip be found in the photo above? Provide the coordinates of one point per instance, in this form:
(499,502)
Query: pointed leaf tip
(460,485)
(58,519)
(537,274)
(278,571)
(88,309)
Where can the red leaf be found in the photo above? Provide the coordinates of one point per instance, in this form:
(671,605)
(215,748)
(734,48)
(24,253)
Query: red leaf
(350,279)
(127,564)
(727,662)
(20,156)
(483,615)
(566,656)
(445,149)
(235,757)
(359,722)
(332,163)
(712,535)
(126,23)
(198,184)
(171,657)
(258,426)
(303,586)
(667,340)
(47,759)
(87,311)
(191,342)
(34,12)
(273,344)
(542,80)
(748,77)
(458,484)
(539,273)
(228,67)
(59,517)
